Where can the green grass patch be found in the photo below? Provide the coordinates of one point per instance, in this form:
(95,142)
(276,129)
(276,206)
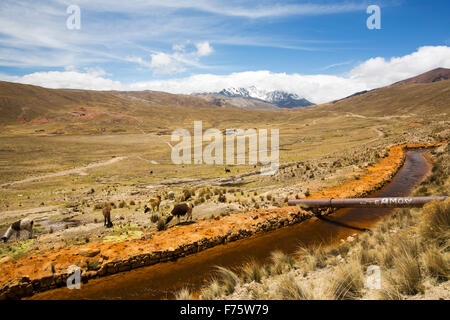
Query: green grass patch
(16,249)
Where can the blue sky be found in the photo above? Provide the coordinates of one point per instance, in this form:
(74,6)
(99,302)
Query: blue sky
(320,49)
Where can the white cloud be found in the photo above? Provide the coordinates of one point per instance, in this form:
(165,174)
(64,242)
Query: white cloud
(163,63)
(138,60)
(177,61)
(178,47)
(334,65)
(89,80)
(379,71)
(204,49)
(373,73)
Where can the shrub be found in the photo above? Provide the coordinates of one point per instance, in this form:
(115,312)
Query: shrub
(422,191)
(202,192)
(93,265)
(187,194)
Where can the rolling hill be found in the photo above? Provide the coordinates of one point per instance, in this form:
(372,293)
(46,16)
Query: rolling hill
(435,75)
(398,100)
(428,93)
(24,103)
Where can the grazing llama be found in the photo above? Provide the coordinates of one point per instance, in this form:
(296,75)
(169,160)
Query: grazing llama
(181,210)
(154,204)
(16,227)
(107,215)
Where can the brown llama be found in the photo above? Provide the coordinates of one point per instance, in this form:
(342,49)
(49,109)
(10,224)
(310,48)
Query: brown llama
(181,210)
(154,204)
(107,215)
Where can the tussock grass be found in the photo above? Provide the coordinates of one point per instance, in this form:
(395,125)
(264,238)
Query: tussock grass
(212,291)
(312,258)
(389,292)
(228,280)
(436,263)
(386,256)
(406,245)
(347,281)
(252,271)
(280,262)
(184,294)
(406,275)
(435,225)
(289,288)
(367,257)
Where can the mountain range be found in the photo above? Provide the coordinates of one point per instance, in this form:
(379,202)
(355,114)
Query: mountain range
(257,99)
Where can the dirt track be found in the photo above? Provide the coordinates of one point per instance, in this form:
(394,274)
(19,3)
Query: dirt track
(65,172)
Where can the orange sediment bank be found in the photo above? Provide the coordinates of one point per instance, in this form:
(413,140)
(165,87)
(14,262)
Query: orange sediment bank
(39,272)
(376,177)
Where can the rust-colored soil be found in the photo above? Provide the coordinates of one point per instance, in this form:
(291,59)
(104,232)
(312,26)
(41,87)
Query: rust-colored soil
(38,265)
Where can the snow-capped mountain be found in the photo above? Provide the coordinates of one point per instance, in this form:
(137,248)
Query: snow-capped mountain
(279,98)
(250,92)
